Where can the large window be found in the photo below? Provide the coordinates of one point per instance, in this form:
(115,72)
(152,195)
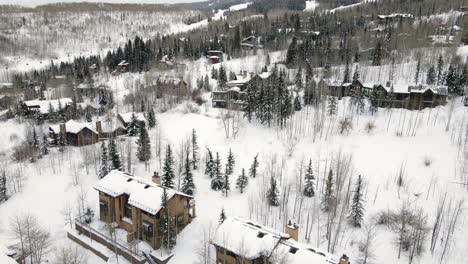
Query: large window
(147,231)
(104,209)
(128,211)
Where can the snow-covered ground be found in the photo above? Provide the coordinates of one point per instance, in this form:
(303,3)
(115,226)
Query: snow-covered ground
(311,5)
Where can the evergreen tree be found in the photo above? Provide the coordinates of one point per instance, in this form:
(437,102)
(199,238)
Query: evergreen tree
(188,185)
(222,216)
(144,145)
(309,181)
(214,73)
(166,230)
(209,168)
(195,158)
(222,77)
(291,54)
(273,193)
(254,167)
(61,142)
(242,181)
(168,170)
(356,74)
(357,206)
(104,168)
(377,55)
(217,180)
(115,163)
(151,118)
(3,187)
(226,184)
(329,194)
(346,78)
(230,163)
(332,105)
(299,84)
(373,98)
(132,128)
(297,103)
(418,69)
(431,76)
(452,80)
(440,70)
(88,116)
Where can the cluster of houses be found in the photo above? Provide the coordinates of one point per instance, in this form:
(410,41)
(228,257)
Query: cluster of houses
(394,95)
(77,133)
(134,205)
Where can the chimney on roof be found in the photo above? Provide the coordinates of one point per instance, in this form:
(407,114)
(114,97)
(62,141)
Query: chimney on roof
(388,84)
(156,178)
(99,128)
(293,230)
(344,259)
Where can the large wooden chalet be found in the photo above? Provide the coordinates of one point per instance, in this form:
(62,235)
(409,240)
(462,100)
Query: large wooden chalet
(233,95)
(239,241)
(134,204)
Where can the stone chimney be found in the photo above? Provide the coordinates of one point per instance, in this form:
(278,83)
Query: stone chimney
(293,230)
(99,128)
(156,178)
(344,259)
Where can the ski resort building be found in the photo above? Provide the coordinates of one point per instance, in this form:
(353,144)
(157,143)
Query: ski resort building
(134,204)
(239,241)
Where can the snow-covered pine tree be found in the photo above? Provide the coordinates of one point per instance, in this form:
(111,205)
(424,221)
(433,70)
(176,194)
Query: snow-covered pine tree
(209,167)
(230,163)
(217,180)
(166,230)
(222,76)
(151,118)
(431,76)
(115,163)
(45,146)
(309,184)
(373,107)
(377,55)
(3,187)
(356,74)
(132,128)
(332,105)
(329,193)
(222,216)
(254,167)
(226,184)
(273,193)
(144,145)
(168,170)
(188,185)
(214,73)
(104,168)
(88,116)
(242,181)
(357,206)
(346,73)
(418,70)
(61,142)
(299,83)
(297,103)
(195,148)
(440,70)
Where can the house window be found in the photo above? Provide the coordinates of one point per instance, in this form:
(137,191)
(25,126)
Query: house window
(128,211)
(147,231)
(104,209)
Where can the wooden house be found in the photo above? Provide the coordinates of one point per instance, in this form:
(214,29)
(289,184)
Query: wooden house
(239,241)
(341,89)
(233,98)
(214,56)
(126,118)
(171,87)
(75,133)
(122,66)
(251,43)
(135,205)
(44,107)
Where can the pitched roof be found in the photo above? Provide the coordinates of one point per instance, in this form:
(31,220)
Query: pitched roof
(44,105)
(127,117)
(73,127)
(251,241)
(142,193)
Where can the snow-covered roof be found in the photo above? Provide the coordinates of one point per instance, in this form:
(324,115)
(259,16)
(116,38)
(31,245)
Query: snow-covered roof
(123,63)
(127,117)
(235,89)
(142,193)
(169,80)
(108,125)
(73,127)
(239,82)
(251,241)
(395,15)
(44,105)
(265,75)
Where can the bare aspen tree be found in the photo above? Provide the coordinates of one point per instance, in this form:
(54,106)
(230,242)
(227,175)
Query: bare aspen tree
(366,246)
(70,255)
